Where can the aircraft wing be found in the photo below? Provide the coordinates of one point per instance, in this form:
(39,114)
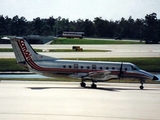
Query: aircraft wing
(102,75)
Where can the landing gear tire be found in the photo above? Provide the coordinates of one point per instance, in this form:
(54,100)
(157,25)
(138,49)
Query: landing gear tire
(141,87)
(94,86)
(83,84)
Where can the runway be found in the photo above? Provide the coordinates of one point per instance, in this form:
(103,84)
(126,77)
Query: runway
(66,101)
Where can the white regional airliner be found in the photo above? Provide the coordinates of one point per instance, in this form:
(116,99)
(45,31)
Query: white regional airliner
(85,70)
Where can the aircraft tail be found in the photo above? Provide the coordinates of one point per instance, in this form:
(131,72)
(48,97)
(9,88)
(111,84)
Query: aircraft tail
(24,52)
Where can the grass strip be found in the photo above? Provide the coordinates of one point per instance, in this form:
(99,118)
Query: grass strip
(10,65)
(11,50)
(70,50)
(91,41)
(55,50)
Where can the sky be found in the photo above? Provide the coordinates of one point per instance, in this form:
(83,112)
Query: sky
(79,9)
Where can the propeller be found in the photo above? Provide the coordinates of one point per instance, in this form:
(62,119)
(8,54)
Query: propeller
(120,71)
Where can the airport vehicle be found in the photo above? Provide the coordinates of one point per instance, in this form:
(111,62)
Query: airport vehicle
(95,71)
(73,34)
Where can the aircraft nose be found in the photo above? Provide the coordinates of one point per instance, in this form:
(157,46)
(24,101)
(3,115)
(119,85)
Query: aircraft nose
(155,78)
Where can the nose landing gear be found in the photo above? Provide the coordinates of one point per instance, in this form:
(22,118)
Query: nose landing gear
(142,87)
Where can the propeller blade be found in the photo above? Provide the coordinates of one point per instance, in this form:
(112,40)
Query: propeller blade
(120,71)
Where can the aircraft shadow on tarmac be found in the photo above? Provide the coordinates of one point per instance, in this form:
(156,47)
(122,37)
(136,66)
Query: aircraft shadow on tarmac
(99,88)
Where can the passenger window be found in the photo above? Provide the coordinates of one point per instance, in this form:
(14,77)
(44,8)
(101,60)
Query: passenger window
(100,68)
(125,69)
(88,67)
(113,68)
(81,67)
(107,68)
(70,66)
(64,66)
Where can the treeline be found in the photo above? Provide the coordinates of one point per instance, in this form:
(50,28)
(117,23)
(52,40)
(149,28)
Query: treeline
(147,29)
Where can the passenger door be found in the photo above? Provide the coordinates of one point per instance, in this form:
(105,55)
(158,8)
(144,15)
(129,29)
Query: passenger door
(76,68)
(94,67)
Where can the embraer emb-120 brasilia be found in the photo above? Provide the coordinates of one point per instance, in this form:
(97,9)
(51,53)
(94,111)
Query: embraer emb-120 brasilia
(96,71)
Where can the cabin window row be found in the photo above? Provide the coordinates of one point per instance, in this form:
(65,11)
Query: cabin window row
(88,67)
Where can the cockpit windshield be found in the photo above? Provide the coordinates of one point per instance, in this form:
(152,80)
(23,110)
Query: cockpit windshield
(134,67)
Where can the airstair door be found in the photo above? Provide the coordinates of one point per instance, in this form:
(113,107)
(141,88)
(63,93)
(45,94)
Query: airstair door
(76,68)
(94,67)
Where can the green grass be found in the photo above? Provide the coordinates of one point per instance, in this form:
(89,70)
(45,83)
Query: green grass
(89,41)
(11,50)
(70,50)
(6,50)
(55,50)
(10,65)
(148,64)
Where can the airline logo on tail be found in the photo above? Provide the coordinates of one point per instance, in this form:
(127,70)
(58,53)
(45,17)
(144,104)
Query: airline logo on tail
(23,47)
(27,55)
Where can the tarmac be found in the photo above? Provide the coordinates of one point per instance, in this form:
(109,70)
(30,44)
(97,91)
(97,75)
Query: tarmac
(33,100)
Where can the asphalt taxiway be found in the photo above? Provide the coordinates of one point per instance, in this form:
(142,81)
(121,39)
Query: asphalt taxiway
(32,100)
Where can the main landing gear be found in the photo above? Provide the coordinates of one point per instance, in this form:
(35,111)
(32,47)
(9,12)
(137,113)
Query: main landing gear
(142,87)
(93,85)
(83,84)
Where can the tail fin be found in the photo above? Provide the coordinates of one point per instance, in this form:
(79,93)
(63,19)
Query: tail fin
(24,52)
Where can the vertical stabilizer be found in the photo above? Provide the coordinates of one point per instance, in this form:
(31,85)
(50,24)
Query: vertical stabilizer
(17,50)
(23,50)
(26,56)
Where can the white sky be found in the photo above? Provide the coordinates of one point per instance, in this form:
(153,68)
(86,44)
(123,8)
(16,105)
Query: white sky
(83,9)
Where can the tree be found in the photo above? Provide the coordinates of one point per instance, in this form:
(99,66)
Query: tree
(8,26)
(101,27)
(89,28)
(147,29)
(2,25)
(138,28)
(151,29)
(51,23)
(38,25)
(22,24)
